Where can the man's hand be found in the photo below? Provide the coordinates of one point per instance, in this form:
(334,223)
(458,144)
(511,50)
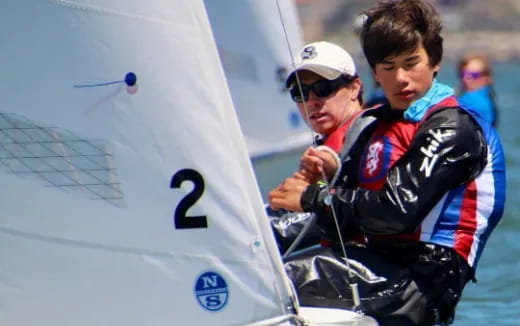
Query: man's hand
(287,195)
(317,164)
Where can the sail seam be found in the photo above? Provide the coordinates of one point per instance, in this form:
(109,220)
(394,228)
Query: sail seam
(104,11)
(112,248)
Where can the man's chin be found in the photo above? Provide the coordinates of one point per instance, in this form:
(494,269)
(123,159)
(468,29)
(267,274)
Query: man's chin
(323,130)
(400,105)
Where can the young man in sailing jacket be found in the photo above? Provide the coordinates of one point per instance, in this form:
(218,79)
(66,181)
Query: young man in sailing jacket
(424,182)
(326,88)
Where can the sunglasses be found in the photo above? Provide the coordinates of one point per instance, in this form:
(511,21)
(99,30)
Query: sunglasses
(321,88)
(466,74)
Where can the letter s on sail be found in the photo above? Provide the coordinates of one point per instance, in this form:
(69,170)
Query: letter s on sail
(181,220)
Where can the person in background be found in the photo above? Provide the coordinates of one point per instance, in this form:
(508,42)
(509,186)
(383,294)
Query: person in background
(476,86)
(424,183)
(327,90)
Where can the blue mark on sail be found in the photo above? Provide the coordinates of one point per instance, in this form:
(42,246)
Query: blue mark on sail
(130,80)
(211,291)
(294,119)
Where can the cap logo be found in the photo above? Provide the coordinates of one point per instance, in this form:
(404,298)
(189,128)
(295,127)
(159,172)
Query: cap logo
(309,53)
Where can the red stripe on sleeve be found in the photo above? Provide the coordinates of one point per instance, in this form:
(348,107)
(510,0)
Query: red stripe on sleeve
(465,231)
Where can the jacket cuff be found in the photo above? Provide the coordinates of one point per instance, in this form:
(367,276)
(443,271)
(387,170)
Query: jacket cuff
(309,199)
(336,158)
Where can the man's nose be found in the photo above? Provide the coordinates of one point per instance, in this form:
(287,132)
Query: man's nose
(313,99)
(401,75)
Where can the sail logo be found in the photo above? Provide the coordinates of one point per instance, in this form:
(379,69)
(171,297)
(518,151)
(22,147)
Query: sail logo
(211,291)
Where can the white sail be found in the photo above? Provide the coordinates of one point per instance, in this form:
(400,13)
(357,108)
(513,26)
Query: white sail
(128,196)
(126,204)
(255,55)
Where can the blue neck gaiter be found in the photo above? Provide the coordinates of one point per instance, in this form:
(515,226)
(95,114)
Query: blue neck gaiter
(435,94)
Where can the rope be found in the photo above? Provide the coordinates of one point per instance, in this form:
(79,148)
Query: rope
(353,286)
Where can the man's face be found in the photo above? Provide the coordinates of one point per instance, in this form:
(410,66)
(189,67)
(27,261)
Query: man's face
(473,75)
(325,114)
(406,77)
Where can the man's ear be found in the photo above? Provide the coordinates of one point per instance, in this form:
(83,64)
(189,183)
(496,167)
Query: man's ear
(356,88)
(374,75)
(436,68)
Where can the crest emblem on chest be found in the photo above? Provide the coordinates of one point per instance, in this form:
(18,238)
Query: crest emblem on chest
(375,160)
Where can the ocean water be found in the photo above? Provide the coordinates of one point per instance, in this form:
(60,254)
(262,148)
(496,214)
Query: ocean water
(495,298)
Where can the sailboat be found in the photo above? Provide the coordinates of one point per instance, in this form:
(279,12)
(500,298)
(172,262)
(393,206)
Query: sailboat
(255,40)
(128,195)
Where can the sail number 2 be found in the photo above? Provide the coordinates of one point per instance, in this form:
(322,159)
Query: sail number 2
(181,220)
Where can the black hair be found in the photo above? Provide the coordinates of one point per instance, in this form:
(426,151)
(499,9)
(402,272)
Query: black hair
(399,26)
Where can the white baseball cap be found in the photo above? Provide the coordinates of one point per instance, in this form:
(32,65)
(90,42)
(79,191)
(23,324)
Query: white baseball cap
(325,59)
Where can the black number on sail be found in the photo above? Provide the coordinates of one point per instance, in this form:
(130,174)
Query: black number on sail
(182,221)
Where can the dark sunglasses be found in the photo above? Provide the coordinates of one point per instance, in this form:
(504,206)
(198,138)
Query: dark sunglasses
(321,88)
(466,74)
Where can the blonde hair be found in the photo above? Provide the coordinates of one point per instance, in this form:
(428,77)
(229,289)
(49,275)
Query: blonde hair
(463,62)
